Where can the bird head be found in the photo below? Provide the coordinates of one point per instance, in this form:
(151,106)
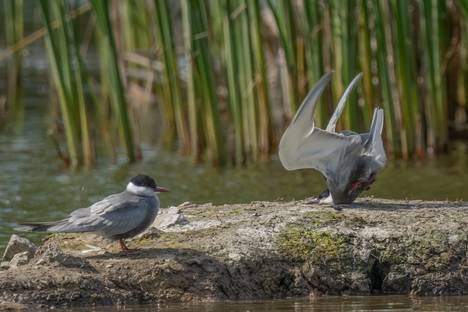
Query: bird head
(353,176)
(144,185)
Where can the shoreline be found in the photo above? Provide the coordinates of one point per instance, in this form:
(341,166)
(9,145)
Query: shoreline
(261,250)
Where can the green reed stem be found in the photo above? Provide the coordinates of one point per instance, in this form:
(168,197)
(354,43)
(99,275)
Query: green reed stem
(405,61)
(171,80)
(14,20)
(260,79)
(101,9)
(57,53)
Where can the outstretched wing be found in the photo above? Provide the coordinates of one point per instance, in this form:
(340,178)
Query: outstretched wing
(304,146)
(331,127)
(373,146)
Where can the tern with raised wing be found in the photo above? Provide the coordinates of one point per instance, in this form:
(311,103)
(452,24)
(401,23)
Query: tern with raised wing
(349,161)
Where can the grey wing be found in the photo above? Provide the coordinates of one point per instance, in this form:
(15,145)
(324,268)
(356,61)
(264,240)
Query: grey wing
(373,145)
(331,127)
(121,214)
(81,212)
(325,151)
(305,146)
(115,214)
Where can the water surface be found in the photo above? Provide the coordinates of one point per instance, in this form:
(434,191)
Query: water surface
(322,304)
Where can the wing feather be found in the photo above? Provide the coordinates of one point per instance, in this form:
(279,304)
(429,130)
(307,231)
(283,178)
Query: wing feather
(305,146)
(374,145)
(331,127)
(111,216)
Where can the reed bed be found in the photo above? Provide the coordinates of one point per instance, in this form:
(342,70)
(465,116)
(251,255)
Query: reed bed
(233,72)
(13,21)
(65,67)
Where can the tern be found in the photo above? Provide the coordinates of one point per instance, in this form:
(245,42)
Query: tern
(349,161)
(116,217)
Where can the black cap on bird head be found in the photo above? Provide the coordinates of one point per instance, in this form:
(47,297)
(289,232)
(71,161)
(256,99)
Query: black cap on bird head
(147,181)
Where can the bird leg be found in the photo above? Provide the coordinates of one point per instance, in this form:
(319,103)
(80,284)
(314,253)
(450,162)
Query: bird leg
(123,247)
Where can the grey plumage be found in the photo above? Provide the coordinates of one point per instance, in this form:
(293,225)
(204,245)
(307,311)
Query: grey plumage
(117,216)
(348,160)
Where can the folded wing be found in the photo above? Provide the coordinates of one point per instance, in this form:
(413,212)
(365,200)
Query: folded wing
(111,216)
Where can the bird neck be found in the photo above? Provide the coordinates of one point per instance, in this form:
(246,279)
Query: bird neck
(139,190)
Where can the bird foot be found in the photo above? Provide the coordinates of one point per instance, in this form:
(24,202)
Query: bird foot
(123,247)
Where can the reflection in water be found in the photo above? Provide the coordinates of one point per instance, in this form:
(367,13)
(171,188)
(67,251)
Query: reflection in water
(323,304)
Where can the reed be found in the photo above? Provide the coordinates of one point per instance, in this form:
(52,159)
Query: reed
(135,21)
(14,24)
(231,62)
(117,94)
(313,43)
(203,102)
(436,113)
(389,100)
(283,12)
(58,48)
(172,93)
(260,81)
(222,104)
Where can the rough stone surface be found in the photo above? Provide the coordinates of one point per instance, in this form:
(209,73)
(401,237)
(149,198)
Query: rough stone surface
(15,307)
(169,217)
(20,259)
(18,244)
(258,250)
(4,265)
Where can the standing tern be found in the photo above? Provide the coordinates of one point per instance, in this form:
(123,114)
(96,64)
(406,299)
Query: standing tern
(117,217)
(348,160)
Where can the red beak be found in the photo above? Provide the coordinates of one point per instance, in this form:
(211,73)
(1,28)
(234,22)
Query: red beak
(160,189)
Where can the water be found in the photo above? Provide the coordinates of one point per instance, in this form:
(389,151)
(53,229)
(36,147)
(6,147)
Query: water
(34,185)
(323,304)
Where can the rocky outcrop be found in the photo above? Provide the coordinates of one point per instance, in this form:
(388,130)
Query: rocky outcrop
(16,245)
(257,250)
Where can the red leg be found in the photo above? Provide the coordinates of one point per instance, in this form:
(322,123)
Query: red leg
(123,246)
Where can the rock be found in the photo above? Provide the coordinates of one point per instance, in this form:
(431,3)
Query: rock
(4,265)
(16,245)
(9,306)
(169,217)
(53,255)
(396,283)
(291,249)
(20,259)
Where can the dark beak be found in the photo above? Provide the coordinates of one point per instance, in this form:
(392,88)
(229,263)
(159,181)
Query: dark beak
(160,189)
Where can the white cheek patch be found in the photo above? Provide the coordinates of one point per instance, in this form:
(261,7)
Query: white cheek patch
(139,190)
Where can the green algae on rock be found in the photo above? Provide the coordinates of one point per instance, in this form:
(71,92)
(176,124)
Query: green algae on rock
(310,245)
